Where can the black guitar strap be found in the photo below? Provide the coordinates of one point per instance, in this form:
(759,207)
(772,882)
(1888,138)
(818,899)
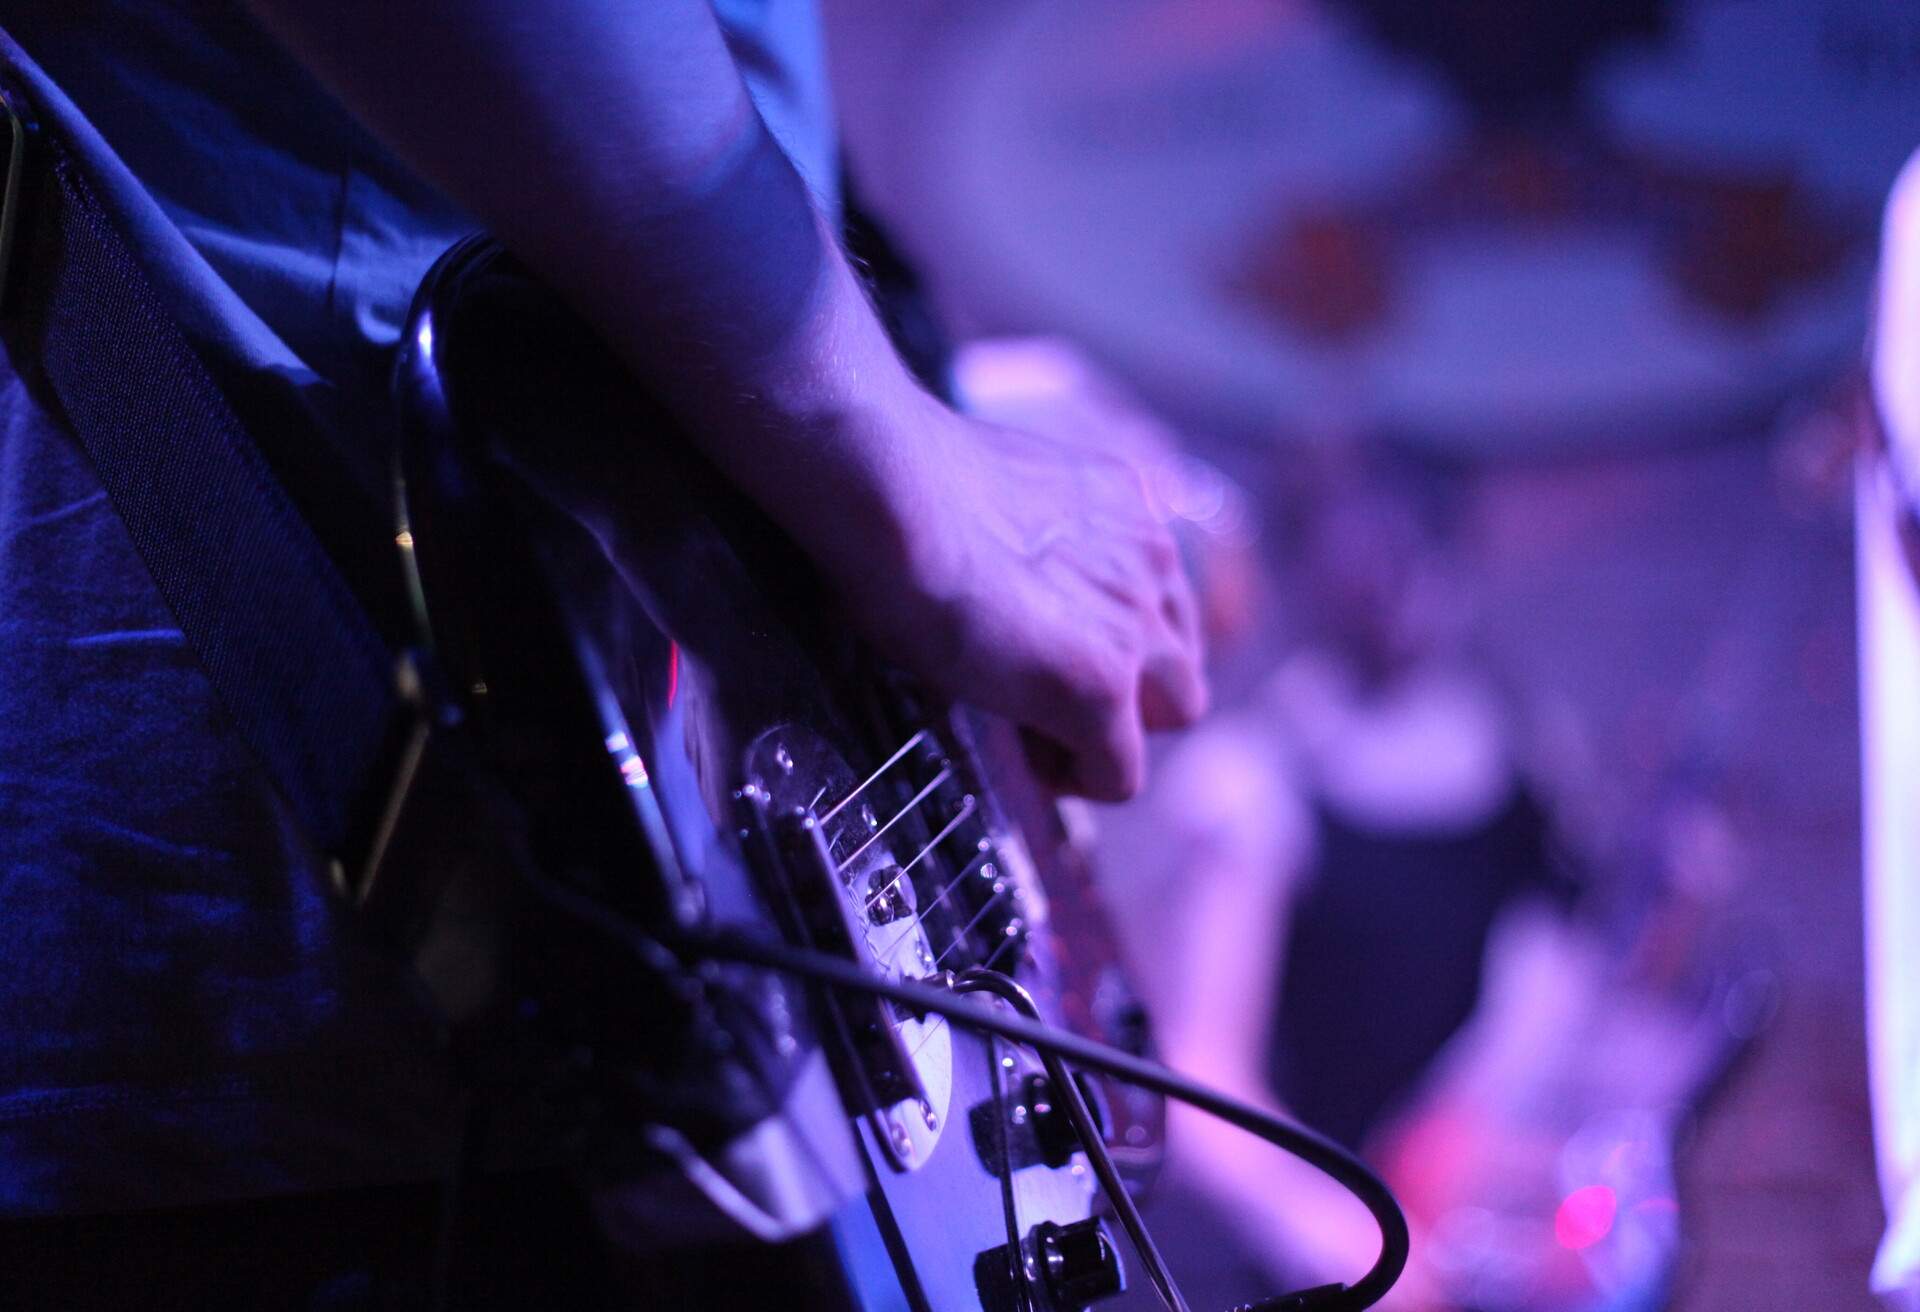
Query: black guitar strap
(293,651)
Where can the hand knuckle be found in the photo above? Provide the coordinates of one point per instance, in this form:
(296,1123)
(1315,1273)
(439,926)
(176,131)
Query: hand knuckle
(1163,552)
(1102,681)
(1104,693)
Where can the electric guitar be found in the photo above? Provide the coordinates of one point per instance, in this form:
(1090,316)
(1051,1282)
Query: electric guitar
(685,736)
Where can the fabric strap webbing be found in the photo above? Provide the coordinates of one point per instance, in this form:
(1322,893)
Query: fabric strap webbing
(293,655)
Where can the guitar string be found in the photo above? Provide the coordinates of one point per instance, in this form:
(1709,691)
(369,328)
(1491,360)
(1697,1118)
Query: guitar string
(994,956)
(1006,942)
(921,915)
(959,818)
(880,833)
(863,785)
(967,929)
(946,890)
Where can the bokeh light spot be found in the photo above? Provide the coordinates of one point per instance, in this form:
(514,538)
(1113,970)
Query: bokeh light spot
(1585,1217)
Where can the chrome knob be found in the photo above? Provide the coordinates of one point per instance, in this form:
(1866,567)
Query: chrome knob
(1078,1263)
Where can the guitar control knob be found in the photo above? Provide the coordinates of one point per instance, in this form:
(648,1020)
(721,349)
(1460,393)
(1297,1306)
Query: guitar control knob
(1052,1125)
(1078,1262)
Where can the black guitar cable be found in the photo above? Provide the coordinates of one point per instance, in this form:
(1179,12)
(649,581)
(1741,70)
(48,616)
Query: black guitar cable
(1315,1149)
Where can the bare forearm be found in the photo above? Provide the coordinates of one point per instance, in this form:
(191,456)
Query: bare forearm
(614,147)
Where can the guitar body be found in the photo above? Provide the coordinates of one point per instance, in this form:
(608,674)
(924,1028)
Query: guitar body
(686,737)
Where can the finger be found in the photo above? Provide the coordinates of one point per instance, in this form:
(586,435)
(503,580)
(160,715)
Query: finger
(1173,680)
(1114,765)
(1173,690)
(1092,717)
(1180,608)
(1051,763)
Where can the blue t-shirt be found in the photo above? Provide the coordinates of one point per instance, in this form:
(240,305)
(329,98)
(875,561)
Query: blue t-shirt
(184,1015)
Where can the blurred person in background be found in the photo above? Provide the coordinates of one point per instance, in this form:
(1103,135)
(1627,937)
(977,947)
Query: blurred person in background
(1410,755)
(1348,895)
(1329,855)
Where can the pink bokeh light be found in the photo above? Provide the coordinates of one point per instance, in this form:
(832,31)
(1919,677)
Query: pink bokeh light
(1585,1217)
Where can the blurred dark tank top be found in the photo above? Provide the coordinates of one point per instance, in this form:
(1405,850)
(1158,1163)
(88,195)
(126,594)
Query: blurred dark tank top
(1384,955)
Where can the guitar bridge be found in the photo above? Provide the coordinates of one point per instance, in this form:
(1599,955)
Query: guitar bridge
(901,872)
